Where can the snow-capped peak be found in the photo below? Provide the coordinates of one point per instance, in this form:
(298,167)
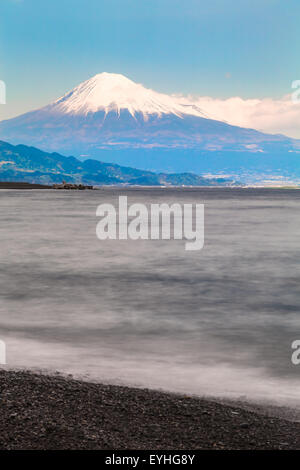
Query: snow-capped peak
(115,92)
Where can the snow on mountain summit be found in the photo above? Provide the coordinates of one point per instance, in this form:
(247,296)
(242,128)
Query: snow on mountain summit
(115,92)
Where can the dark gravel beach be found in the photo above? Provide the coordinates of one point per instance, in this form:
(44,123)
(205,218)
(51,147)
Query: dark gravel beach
(46,412)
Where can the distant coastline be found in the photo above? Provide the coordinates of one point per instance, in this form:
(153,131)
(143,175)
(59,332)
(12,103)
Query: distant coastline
(26,185)
(21,185)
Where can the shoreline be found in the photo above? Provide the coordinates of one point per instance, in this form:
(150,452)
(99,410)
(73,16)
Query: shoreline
(54,412)
(22,185)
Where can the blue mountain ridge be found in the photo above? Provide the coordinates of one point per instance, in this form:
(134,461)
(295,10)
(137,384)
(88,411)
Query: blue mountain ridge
(21,163)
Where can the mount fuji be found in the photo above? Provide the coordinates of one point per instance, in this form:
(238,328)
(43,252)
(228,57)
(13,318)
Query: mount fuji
(113,119)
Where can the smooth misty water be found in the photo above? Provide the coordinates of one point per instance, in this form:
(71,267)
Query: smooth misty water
(219,321)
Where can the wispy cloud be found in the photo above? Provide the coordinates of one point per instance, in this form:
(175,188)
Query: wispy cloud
(268,115)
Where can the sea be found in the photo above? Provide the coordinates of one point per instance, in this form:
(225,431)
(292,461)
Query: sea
(216,322)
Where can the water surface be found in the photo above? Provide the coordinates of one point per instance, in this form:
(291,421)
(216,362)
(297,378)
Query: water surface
(219,321)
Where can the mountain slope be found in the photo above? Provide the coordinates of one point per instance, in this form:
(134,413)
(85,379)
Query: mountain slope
(22,163)
(113,92)
(111,118)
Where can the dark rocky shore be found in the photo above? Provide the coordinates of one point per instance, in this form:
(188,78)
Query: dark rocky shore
(46,412)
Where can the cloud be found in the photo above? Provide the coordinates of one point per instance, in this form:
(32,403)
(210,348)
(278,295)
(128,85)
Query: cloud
(268,115)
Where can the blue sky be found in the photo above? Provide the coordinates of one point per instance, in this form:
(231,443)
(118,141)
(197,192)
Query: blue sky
(219,48)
